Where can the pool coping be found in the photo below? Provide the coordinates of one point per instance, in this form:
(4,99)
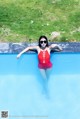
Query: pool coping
(73,47)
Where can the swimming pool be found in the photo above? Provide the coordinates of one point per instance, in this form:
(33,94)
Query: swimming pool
(22,87)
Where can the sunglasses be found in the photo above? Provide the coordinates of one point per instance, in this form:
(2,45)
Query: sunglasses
(43,41)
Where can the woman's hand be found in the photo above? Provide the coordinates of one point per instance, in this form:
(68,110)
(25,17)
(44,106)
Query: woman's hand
(18,56)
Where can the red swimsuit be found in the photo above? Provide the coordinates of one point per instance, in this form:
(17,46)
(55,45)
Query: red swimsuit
(44,60)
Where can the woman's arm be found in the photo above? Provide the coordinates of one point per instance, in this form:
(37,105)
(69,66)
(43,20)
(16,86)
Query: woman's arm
(26,49)
(55,47)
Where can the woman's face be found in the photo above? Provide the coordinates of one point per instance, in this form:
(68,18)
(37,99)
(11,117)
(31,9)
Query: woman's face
(43,42)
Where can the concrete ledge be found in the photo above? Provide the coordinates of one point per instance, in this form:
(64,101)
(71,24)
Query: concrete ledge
(17,47)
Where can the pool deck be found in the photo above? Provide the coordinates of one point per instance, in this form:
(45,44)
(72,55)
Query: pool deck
(17,47)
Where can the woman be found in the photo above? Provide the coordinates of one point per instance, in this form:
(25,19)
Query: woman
(43,50)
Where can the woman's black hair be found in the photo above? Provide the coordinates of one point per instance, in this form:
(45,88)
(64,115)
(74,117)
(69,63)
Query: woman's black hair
(39,44)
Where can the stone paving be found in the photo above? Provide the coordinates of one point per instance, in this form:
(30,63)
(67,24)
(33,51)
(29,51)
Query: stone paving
(17,47)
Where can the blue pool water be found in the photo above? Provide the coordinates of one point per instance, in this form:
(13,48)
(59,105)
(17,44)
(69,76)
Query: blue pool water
(22,87)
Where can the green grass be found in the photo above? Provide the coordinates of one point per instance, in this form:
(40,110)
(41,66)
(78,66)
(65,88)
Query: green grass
(22,20)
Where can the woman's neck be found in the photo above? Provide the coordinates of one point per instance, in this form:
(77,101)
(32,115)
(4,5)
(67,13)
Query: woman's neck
(43,48)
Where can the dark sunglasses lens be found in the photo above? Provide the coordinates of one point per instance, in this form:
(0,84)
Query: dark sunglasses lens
(43,41)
